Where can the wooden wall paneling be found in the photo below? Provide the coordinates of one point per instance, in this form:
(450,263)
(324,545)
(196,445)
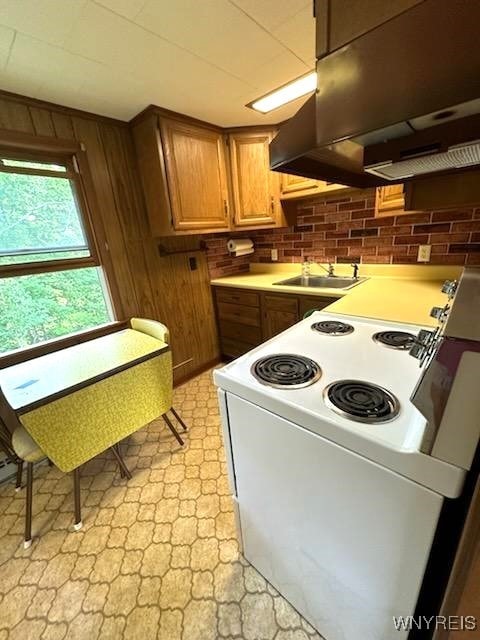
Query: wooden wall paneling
(174,296)
(206,344)
(62,125)
(42,122)
(86,131)
(126,205)
(15,117)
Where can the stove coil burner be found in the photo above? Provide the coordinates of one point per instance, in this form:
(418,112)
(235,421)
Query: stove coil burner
(333,327)
(286,371)
(400,340)
(361,401)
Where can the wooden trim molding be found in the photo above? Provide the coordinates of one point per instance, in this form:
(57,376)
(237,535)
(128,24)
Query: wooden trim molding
(53,106)
(49,346)
(29,143)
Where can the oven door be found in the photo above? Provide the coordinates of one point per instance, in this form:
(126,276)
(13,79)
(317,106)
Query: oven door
(343,539)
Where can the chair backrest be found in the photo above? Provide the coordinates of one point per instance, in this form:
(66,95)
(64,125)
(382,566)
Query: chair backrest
(152,328)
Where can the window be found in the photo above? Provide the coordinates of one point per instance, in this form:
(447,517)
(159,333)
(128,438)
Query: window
(51,282)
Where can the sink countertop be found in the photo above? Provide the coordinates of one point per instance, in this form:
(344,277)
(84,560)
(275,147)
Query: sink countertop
(407,295)
(266,282)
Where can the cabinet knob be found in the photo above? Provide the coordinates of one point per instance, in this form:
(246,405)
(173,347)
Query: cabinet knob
(417,351)
(424,337)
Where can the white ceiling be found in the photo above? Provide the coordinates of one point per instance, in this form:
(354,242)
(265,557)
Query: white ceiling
(206,58)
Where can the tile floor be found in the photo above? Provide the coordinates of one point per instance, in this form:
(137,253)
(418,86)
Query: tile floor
(157,557)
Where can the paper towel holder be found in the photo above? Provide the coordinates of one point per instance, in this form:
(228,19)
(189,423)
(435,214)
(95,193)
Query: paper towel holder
(240,246)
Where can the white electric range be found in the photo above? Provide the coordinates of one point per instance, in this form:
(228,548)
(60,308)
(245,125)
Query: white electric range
(337,505)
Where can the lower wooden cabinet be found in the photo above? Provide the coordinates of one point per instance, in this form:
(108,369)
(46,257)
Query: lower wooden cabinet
(279,313)
(246,318)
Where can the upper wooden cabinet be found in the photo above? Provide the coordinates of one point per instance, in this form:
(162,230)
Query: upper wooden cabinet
(256,193)
(196,175)
(299,187)
(390,200)
(184,177)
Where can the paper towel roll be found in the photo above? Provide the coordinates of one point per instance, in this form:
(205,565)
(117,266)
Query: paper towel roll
(242,252)
(240,246)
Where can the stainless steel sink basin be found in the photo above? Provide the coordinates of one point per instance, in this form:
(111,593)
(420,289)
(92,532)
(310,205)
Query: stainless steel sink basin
(327,282)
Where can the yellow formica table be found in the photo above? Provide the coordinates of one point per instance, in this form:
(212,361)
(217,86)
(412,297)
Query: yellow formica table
(79,401)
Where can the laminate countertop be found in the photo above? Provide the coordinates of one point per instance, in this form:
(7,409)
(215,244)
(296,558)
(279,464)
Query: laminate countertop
(396,294)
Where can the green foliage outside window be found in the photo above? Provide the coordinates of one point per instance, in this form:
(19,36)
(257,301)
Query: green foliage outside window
(39,213)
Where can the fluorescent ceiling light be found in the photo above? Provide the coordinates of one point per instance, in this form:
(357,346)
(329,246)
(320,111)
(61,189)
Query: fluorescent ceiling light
(288,92)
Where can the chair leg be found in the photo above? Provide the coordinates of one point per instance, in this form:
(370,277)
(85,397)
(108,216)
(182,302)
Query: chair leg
(28,511)
(172,429)
(78,524)
(179,419)
(124,470)
(116,447)
(18,482)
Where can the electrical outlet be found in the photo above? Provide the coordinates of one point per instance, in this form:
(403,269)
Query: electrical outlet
(424,251)
(274,255)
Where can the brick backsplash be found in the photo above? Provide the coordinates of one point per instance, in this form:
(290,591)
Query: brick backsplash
(343,228)
(220,262)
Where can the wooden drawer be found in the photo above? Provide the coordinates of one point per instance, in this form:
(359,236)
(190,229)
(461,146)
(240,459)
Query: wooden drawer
(238,296)
(239,313)
(289,304)
(234,348)
(242,332)
(317,302)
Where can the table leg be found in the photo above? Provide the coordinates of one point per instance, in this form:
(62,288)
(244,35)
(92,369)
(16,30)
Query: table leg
(179,419)
(124,470)
(78,524)
(172,429)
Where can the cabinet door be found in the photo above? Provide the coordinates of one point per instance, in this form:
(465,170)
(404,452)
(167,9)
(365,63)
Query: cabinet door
(300,187)
(294,186)
(255,187)
(390,200)
(196,175)
(313,302)
(279,313)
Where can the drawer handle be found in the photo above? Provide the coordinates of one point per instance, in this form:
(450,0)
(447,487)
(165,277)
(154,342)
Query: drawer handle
(272,204)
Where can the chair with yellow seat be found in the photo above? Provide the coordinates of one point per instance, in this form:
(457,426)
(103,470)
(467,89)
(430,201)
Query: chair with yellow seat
(20,447)
(159,331)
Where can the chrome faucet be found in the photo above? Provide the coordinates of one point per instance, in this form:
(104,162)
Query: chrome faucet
(355,270)
(306,268)
(330,270)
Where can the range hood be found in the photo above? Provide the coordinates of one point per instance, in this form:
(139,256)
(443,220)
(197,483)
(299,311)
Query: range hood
(399,103)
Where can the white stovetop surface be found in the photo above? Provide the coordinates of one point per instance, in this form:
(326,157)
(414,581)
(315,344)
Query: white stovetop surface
(394,444)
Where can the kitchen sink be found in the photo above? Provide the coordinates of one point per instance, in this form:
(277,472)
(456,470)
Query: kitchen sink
(327,282)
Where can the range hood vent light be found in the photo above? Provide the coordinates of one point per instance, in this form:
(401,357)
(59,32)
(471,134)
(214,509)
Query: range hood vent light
(456,157)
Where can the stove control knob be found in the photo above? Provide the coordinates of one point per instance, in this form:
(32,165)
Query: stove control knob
(439,313)
(417,351)
(424,337)
(449,287)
